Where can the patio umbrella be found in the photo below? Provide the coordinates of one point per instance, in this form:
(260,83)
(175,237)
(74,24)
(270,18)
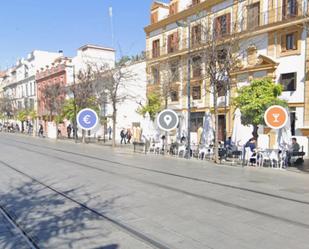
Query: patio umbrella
(284,136)
(148,127)
(182,128)
(208,130)
(241,133)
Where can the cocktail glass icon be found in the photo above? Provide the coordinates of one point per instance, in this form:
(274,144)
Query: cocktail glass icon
(276,116)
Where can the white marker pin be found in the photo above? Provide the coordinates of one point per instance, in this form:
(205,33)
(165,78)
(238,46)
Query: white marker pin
(167,119)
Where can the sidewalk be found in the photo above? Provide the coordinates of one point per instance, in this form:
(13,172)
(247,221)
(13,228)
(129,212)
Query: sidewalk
(128,149)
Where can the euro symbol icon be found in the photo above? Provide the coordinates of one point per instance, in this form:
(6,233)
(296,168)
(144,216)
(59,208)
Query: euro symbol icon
(86,119)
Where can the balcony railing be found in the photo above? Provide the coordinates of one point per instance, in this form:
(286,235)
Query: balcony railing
(282,14)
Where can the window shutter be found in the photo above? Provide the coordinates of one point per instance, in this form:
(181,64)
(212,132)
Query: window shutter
(169,43)
(228,23)
(217,27)
(284,10)
(176,40)
(283,42)
(295,38)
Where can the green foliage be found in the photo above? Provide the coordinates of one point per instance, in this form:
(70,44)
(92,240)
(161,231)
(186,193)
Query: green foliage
(153,106)
(253,100)
(32,114)
(22,115)
(68,108)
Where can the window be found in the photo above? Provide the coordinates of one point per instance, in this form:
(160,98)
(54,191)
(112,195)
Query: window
(288,81)
(31,104)
(174,96)
(154,17)
(173,8)
(253,16)
(172,42)
(289,8)
(196,120)
(196,34)
(196,92)
(174,69)
(155,75)
(222,25)
(222,55)
(221,89)
(289,42)
(156,48)
(197,66)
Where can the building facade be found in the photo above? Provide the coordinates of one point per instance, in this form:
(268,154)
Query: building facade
(19,84)
(272,42)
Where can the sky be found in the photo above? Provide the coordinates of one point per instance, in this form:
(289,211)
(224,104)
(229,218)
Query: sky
(53,25)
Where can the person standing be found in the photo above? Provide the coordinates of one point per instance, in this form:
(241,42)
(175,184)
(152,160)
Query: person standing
(109,131)
(69,130)
(129,135)
(123,136)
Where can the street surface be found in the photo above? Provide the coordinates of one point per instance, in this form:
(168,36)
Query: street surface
(66,195)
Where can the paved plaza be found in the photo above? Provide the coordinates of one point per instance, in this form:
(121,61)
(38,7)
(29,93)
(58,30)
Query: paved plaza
(66,195)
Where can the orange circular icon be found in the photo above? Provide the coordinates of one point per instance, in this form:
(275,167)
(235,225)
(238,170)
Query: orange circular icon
(276,117)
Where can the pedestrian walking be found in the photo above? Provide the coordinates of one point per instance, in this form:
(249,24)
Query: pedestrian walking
(129,136)
(123,136)
(69,130)
(41,131)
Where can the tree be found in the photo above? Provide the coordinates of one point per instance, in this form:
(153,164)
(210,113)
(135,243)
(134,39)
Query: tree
(22,117)
(115,81)
(83,92)
(153,106)
(254,99)
(220,55)
(53,96)
(6,107)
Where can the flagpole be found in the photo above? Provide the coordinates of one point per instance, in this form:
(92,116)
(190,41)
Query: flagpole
(111,23)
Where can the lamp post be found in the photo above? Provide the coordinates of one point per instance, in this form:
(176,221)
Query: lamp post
(188,25)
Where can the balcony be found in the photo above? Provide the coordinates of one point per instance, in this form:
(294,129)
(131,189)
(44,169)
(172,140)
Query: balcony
(248,24)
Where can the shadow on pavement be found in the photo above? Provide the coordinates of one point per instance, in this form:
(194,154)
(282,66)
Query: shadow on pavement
(113,246)
(54,222)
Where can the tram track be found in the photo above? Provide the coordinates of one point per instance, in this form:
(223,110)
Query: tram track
(166,187)
(117,224)
(27,238)
(195,179)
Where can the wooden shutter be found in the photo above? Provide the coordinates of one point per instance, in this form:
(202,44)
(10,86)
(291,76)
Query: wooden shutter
(284,9)
(175,41)
(169,43)
(228,23)
(217,27)
(295,38)
(283,42)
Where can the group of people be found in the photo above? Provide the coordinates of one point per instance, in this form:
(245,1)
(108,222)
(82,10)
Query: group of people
(293,149)
(125,136)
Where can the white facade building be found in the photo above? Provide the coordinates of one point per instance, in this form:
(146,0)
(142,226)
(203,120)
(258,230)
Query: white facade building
(19,84)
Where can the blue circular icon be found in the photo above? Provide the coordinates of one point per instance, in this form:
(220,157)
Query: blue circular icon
(87,119)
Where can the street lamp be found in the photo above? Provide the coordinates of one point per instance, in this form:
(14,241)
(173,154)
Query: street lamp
(187,24)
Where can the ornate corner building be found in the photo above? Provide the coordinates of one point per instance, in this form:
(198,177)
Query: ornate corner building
(273,42)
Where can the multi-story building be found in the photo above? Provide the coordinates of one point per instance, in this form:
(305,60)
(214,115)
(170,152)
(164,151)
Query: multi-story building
(273,42)
(20,85)
(63,71)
